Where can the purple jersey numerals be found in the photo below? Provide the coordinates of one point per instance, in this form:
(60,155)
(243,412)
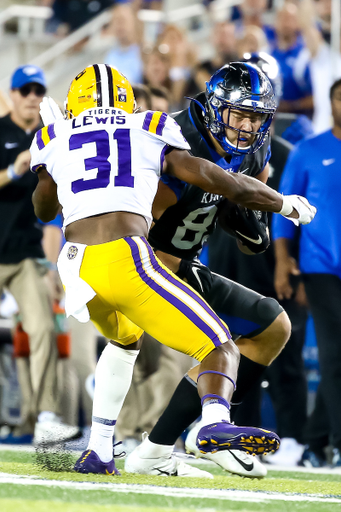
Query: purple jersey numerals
(124,177)
(101,162)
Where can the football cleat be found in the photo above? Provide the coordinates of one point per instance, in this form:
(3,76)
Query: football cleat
(234,461)
(89,462)
(226,436)
(161,466)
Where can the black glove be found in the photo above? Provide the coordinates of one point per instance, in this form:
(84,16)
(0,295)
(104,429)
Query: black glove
(196,275)
(248,226)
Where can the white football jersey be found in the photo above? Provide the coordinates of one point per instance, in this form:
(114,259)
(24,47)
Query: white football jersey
(106,160)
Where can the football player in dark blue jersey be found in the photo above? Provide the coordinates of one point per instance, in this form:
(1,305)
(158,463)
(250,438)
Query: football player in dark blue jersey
(229,125)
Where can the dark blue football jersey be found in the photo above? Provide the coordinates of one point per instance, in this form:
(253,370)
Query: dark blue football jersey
(184,227)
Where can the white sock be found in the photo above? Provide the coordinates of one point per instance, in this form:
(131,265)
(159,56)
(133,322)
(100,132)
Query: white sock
(213,412)
(113,376)
(149,450)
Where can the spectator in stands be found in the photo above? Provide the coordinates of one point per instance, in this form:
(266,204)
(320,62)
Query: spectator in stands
(159,99)
(68,15)
(156,69)
(147,4)
(325,64)
(126,53)
(142,97)
(251,40)
(182,59)
(293,59)
(223,41)
(313,169)
(251,13)
(324,13)
(20,250)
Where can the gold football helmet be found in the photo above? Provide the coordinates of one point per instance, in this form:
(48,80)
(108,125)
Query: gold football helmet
(99,85)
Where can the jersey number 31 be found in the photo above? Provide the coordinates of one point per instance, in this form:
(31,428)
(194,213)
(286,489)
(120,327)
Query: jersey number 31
(101,162)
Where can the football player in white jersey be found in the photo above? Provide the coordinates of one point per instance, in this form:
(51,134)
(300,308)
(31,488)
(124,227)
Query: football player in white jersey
(102,164)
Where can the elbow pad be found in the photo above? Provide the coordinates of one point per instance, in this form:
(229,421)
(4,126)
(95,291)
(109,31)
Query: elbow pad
(248,226)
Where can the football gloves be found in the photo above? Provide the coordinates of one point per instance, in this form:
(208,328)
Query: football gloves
(49,111)
(196,275)
(248,226)
(306,212)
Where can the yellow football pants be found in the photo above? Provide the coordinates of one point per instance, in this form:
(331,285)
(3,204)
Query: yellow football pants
(135,292)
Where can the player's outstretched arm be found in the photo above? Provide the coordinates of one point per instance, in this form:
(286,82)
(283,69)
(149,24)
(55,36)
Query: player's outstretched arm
(238,188)
(44,198)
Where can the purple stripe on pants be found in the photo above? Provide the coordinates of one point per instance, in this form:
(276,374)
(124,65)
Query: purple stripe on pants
(186,289)
(191,315)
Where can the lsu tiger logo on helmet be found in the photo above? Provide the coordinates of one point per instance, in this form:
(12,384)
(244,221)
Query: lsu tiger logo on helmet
(99,85)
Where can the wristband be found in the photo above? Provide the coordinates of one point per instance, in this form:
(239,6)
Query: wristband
(11,174)
(287,207)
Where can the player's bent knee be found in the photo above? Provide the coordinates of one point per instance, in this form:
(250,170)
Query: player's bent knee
(279,323)
(283,326)
(268,309)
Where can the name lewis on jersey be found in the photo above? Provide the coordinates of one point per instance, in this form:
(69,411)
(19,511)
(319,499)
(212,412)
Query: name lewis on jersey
(99,116)
(209,198)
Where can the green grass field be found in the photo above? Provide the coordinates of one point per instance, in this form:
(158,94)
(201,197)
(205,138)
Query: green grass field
(26,486)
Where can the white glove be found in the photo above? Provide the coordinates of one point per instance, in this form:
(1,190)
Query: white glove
(49,111)
(306,212)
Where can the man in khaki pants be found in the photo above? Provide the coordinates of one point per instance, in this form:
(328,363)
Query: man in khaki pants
(20,249)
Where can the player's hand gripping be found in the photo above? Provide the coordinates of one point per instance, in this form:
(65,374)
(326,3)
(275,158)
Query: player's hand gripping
(293,205)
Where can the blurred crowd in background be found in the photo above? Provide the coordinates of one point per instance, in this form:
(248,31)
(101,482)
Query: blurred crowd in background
(166,67)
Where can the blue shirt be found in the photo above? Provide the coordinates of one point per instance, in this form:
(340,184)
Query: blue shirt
(128,61)
(295,72)
(313,171)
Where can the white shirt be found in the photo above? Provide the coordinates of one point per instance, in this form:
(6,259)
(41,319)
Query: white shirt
(106,160)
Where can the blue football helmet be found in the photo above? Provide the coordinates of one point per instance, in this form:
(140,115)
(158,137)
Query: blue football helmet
(239,86)
(269,65)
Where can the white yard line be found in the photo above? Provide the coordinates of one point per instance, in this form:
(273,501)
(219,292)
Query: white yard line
(221,494)
(198,462)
